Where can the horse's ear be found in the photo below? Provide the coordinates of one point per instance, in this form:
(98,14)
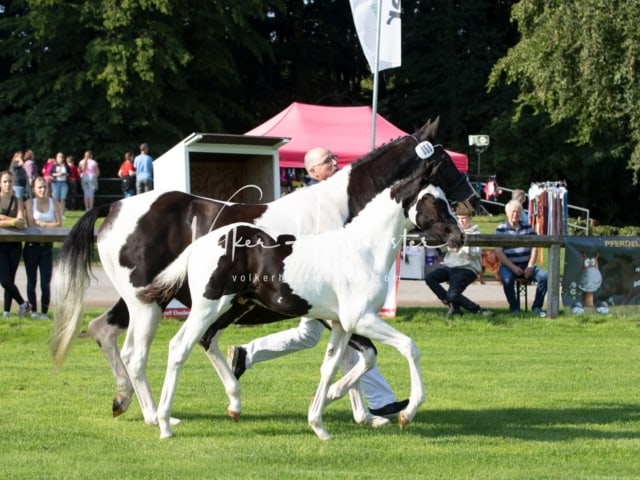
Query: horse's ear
(429,129)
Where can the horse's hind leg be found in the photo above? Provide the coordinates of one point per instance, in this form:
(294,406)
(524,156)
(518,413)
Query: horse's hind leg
(333,355)
(353,366)
(380,331)
(229,380)
(105,330)
(135,353)
(209,342)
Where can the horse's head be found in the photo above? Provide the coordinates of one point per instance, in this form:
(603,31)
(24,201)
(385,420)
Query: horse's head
(399,159)
(431,213)
(426,207)
(453,183)
(384,166)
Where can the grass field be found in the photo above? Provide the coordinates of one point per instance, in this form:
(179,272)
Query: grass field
(512,398)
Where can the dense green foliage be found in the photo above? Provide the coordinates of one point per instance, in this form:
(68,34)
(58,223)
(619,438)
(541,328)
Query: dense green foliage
(523,398)
(106,75)
(578,61)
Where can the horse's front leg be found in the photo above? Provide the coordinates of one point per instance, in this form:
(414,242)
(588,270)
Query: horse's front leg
(334,353)
(105,330)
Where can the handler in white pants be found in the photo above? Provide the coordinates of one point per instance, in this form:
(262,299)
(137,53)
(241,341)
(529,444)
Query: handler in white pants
(320,163)
(377,391)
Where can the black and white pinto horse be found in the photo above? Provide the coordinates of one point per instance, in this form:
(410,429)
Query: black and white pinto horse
(142,235)
(336,276)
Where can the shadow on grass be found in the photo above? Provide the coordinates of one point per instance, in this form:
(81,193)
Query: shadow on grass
(606,422)
(538,424)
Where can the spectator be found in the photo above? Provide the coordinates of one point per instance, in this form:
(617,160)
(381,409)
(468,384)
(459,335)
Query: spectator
(73,179)
(11,215)
(44,212)
(143,165)
(459,268)
(59,184)
(320,164)
(46,172)
(20,180)
(521,196)
(89,173)
(127,175)
(31,169)
(519,262)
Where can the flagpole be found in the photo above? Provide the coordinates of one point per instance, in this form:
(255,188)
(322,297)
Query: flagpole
(376,73)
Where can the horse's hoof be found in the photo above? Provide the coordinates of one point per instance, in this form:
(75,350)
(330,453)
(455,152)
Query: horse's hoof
(403,420)
(323,435)
(235,416)
(120,405)
(375,421)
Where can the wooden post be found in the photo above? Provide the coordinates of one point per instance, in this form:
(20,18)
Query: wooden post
(553,285)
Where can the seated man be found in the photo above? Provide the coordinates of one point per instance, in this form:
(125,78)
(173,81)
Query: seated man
(519,262)
(460,269)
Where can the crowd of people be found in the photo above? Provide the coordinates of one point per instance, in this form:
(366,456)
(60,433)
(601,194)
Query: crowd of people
(461,268)
(33,197)
(64,177)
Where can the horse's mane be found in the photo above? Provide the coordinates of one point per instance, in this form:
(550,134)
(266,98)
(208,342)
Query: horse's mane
(407,188)
(374,154)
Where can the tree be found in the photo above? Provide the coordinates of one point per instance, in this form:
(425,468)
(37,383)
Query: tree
(77,74)
(449,48)
(577,61)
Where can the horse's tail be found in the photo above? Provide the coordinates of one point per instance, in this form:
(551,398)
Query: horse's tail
(71,280)
(166,284)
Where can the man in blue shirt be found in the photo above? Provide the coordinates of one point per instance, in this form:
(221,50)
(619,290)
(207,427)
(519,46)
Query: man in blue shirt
(143,165)
(519,262)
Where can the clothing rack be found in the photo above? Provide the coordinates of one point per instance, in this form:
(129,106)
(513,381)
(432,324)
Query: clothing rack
(549,207)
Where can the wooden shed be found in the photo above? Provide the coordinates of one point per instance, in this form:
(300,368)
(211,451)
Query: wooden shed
(238,168)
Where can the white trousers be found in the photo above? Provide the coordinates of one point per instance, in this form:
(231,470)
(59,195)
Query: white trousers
(306,335)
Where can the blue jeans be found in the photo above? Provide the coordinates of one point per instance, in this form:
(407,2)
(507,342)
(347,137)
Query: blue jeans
(459,279)
(59,190)
(19,191)
(38,256)
(144,185)
(509,285)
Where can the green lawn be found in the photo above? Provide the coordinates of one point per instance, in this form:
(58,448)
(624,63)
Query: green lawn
(514,398)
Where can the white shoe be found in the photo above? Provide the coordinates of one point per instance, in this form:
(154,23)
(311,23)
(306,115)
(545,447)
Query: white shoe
(25,308)
(6,314)
(541,313)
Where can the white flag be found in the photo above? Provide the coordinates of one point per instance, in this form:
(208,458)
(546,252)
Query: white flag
(365,17)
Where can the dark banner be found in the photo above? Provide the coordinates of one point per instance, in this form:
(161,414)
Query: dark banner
(601,273)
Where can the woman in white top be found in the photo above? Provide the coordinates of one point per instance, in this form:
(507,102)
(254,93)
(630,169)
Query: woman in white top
(42,211)
(59,181)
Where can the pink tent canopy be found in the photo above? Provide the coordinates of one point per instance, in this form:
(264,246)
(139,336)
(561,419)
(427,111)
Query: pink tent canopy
(344,130)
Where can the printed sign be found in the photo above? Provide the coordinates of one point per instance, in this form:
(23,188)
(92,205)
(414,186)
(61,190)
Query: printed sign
(601,273)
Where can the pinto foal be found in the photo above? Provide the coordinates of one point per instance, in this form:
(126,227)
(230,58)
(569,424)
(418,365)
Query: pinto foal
(245,264)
